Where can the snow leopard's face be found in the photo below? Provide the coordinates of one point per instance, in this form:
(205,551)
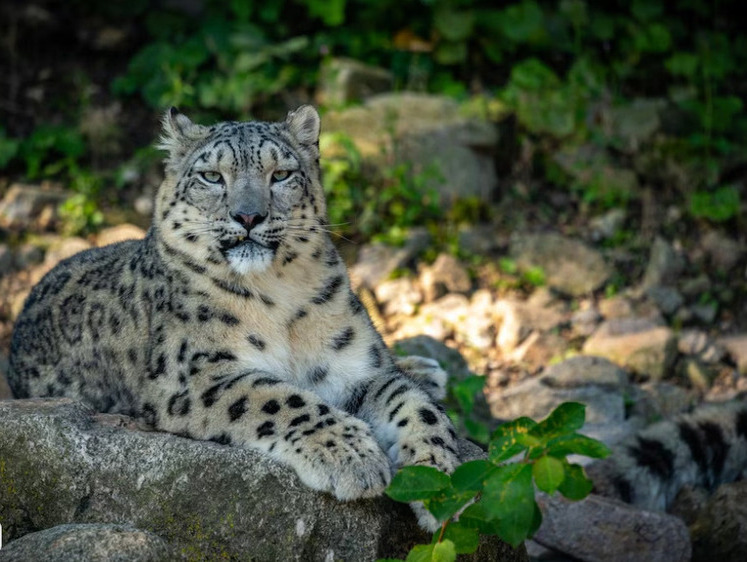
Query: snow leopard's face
(236,193)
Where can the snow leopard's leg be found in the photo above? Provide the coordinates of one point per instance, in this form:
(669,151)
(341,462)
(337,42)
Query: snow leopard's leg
(410,425)
(329,449)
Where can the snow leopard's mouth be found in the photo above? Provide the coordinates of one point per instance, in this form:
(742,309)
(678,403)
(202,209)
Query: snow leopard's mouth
(245,242)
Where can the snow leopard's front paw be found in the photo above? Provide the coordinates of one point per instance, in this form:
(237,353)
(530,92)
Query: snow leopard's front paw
(426,373)
(343,458)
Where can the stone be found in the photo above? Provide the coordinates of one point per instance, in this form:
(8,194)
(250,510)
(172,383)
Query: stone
(616,307)
(699,344)
(696,286)
(605,226)
(720,532)
(664,265)
(5,393)
(343,81)
(62,464)
(6,259)
(593,381)
(479,239)
(598,528)
(27,255)
(736,346)
(398,296)
(705,313)
(723,253)
(517,319)
(634,123)
(376,262)
(119,233)
(635,344)
(585,321)
(64,248)
(23,204)
(88,542)
(570,266)
(667,299)
(446,275)
(429,134)
(592,166)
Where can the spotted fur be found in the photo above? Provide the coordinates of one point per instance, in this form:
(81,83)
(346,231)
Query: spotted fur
(702,449)
(234,320)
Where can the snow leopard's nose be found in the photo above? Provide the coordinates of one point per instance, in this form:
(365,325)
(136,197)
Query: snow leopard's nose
(248,220)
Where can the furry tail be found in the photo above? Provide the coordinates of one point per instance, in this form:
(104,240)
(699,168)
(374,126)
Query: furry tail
(702,449)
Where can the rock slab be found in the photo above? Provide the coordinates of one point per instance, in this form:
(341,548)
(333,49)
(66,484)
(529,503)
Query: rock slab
(61,464)
(597,528)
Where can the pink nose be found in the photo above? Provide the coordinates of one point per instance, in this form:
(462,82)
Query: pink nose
(248,221)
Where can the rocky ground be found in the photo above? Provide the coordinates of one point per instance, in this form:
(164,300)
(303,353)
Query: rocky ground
(626,311)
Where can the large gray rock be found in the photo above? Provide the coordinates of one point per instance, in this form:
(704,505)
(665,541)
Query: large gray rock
(593,381)
(664,265)
(88,543)
(343,81)
(61,464)
(636,344)
(570,266)
(720,532)
(597,528)
(24,205)
(430,133)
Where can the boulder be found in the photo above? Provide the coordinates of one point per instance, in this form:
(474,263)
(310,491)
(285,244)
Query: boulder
(62,464)
(119,233)
(88,542)
(376,262)
(594,381)
(6,259)
(664,265)
(598,528)
(398,296)
(720,531)
(24,205)
(451,152)
(636,344)
(570,266)
(343,81)
(736,345)
(446,275)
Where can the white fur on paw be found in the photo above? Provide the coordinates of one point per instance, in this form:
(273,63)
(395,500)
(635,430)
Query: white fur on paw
(425,517)
(427,373)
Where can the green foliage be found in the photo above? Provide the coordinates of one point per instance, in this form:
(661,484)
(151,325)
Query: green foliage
(719,205)
(383,209)
(496,496)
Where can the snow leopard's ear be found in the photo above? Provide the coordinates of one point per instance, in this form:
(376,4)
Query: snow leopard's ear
(178,135)
(304,124)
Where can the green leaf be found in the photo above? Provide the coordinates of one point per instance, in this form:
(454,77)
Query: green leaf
(444,551)
(548,474)
(718,206)
(477,431)
(420,553)
(454,25)
(566,418)
(464,392)
(444,505)
(504,441)
(471,475)
(509,497)
(682,64)
(577,444)
(477,516)
(465,538)
(576,485)
(523,22)
(413,483)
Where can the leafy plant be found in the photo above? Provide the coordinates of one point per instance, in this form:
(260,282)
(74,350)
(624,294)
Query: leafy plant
(496,496)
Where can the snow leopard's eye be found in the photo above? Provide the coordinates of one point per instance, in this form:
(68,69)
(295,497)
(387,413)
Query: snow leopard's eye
(212,177)
(280,175)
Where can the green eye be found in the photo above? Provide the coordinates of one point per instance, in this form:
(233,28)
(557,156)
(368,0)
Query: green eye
(280,175)
(212,177)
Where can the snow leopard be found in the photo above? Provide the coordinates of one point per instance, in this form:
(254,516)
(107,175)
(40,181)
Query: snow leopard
(234,320)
